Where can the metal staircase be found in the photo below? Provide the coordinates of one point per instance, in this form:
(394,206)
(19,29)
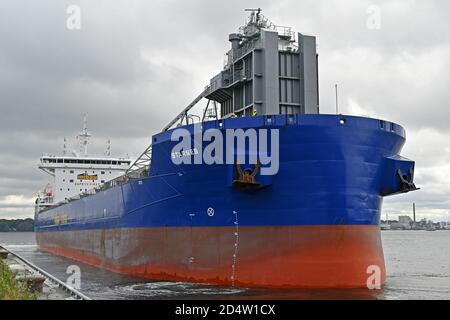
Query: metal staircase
(141,166)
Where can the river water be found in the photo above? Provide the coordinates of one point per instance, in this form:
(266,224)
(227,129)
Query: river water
(417,262)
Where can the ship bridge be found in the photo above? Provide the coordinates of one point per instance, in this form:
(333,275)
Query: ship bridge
(75,173)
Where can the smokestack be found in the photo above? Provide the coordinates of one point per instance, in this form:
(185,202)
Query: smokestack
(234,38)
(414,212)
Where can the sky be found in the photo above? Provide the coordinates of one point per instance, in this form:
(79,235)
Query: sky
(132,65)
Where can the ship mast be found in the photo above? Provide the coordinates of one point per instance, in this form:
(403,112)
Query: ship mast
(83,137)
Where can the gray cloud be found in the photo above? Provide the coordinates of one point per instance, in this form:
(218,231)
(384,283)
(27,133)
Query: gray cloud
(134,64)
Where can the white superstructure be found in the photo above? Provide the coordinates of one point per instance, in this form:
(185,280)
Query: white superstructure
(74,174)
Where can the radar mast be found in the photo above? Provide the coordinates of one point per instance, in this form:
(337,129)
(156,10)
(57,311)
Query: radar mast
(83,137)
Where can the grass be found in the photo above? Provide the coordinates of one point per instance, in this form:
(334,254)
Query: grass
(10,288)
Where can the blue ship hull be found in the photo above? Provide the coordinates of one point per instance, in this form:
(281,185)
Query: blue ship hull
(313,224)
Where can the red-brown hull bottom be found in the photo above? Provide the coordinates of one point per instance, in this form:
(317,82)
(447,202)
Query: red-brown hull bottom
(278,257)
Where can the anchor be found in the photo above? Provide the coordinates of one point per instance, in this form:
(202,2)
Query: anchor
(406,184)
(247,177)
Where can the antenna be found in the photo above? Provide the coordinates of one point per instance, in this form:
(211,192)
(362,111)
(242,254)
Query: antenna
(337,100)
(253,11)
(65,146)
(85,123)
(257,10)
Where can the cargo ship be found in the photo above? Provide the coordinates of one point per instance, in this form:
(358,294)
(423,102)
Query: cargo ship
(260,190)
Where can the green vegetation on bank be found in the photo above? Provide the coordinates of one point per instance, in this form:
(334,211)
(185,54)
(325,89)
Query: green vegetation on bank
(10,288)
(17,225)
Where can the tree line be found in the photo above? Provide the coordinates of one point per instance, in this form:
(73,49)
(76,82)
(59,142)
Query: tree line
(17,225)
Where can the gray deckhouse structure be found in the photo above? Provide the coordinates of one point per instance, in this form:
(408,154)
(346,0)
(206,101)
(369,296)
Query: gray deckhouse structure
(270,70)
